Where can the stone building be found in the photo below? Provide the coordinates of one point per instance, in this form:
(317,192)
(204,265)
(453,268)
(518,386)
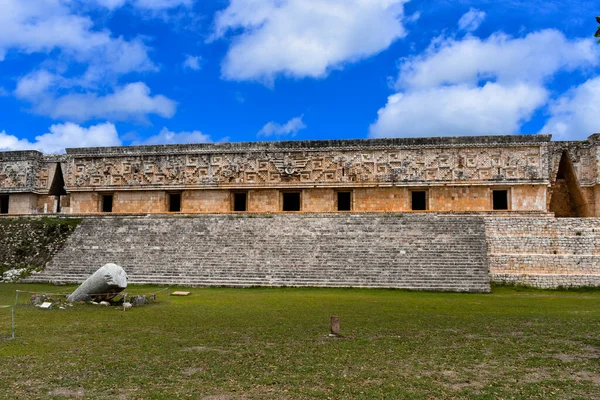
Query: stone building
(503,174)
(423,214)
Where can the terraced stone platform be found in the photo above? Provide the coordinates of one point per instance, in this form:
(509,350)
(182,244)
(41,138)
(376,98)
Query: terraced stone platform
(411,251)
(544,252)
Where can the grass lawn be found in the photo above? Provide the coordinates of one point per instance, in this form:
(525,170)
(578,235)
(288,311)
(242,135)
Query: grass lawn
(222,343)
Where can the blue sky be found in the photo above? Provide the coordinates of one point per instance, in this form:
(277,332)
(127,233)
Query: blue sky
(118,72)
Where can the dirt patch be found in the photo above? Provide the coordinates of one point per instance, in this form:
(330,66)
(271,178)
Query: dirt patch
(126,394)
(575,357)
(591,351)
(455,380)
(449,373)
(568,357)
(459,386)
(535,376)
(191,371)
(587,376)
(205,348)
(66,392)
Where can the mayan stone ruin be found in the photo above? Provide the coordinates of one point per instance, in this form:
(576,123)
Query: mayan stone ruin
(447,213)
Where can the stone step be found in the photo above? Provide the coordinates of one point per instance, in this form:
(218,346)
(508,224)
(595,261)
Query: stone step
(425,252)
(544,244)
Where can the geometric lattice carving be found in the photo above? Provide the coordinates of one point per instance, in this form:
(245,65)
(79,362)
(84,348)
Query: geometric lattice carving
(343,163)
(266,168)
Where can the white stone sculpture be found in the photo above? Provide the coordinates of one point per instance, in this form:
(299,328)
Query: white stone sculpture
(104,284)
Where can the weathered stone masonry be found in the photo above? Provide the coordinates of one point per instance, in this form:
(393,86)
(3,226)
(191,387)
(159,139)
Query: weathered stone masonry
(544,252)
(412,251)
(528,193)
(381,175)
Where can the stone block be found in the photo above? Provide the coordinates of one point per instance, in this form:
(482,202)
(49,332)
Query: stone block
(104,284)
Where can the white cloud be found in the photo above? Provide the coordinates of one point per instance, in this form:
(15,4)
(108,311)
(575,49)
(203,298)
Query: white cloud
(192,62)
(10,143)
(62,136)
(131,102)
(47,25)
(165,136)
(292,127)
(471,20)
(479,86)
(67,135)
(458,110)
(161,4)
(110,4)
(36,84)
(576,114)
(413,18)
(533,58)
(304,38)
(74,42)
(154,5)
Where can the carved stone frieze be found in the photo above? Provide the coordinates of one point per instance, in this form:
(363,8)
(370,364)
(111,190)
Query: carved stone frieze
(584,156)
(30,172)
(14,174)
(264,168)
(477,160)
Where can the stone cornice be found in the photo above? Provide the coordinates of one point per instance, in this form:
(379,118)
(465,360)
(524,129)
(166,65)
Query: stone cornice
(315,145)
(310,185)
(27,155)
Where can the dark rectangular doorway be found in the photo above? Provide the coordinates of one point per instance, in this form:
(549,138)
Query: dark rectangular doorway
(500,199)
(107,203)
(4,204)
(174,202)
(291,201)
(344,201)
(240,202)
(419,201)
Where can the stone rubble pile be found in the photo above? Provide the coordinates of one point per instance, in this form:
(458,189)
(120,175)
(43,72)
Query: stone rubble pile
(13,275)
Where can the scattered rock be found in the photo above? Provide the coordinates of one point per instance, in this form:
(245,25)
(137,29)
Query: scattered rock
(127,305)
(13,275)
(138,300)
(37,299)
(105,303)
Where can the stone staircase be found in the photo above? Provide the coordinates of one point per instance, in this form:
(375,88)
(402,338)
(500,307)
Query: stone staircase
(411,251)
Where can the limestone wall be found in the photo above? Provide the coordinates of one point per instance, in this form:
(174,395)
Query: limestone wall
(205,201)
(22,203)
(85,202)
(140,201)
(544,252)
(313,200)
